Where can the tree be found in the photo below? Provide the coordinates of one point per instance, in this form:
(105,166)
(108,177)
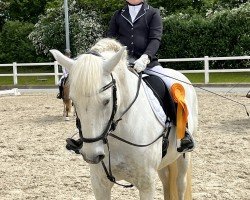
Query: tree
(26,10)
(172,6)
(49,32)
(105,7)
(229,4)
(223,33)
(3,12)
(14,43)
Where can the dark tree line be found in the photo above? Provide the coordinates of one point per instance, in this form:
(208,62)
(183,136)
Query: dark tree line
(192,28)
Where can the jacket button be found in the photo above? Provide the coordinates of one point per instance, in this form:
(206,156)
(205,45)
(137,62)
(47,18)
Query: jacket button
(132,43)
(132,35)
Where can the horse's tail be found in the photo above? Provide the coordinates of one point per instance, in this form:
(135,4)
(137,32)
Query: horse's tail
(188,193)
(174,186)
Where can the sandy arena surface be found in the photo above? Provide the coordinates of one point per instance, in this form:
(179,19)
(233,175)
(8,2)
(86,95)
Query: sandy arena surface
(34,163)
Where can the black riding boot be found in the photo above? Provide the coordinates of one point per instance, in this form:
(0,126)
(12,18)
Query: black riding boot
(75,145)
(187,143)
(60,94)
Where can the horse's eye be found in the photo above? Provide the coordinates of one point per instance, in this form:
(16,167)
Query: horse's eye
(106,102)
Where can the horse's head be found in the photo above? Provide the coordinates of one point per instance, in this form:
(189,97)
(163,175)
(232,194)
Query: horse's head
(91,90)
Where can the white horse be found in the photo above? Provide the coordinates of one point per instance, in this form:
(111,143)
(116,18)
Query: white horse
(92,91)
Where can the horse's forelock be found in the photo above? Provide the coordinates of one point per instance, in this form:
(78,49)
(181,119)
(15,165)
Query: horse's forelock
(86,75)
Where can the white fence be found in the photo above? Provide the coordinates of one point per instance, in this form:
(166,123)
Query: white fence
(15,73)
(206,69)
(56,73)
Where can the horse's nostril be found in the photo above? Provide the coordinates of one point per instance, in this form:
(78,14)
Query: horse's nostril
(101,157)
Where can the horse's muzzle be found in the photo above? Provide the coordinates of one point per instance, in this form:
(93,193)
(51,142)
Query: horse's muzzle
(94,160)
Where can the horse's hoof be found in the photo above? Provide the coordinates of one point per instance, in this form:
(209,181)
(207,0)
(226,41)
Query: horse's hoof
(66,118)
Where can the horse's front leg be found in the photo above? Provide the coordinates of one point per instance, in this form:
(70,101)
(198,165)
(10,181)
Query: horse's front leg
(100,184)
(146,186)
(147,193)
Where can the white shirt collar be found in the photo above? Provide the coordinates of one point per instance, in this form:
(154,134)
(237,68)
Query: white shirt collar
(133,11)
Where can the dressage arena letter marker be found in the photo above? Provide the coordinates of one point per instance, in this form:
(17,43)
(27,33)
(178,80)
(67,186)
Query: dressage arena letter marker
(13,91)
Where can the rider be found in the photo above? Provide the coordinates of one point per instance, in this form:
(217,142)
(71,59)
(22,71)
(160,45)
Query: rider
(139,27)
(67,53)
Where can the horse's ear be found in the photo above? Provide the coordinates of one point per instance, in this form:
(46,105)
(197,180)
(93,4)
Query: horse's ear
(62,59)
(110,64)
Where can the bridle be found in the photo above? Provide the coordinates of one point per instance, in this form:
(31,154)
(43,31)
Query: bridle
(112,124)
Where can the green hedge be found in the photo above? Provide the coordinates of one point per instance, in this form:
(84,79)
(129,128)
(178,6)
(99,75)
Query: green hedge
(224,33)
(15,45)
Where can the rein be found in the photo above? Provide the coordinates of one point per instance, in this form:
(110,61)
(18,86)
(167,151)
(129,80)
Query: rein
(112,126)
(202,89)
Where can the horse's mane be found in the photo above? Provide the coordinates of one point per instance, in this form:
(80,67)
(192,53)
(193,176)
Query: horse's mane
(107,44)
(86,75)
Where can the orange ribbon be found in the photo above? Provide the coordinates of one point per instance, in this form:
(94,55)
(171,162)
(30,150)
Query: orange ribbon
(178,94)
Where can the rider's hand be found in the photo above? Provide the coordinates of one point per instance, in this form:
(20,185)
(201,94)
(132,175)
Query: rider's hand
(141,63)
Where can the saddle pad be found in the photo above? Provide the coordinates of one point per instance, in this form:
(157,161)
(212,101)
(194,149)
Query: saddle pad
(154,103)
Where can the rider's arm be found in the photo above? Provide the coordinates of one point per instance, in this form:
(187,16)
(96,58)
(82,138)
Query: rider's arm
(155,34)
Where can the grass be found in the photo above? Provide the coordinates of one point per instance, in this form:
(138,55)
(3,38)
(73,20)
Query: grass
(28,80)
(239,77)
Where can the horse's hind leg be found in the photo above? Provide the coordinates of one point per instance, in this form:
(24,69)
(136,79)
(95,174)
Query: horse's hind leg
(64,109)
(67,108)
(164,177)
(184,177)
(176,179)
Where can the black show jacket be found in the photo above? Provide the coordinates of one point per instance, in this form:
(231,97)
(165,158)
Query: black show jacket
(143,36)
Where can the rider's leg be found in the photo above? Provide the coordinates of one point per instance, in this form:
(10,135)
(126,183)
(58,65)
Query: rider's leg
(60,86)
(60,94)
(187,143)
(167,102)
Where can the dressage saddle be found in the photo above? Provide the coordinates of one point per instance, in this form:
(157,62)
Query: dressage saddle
(163,95)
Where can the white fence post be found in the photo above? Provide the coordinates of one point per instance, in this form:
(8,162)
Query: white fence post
(15,73)
(206,65)
(56,72)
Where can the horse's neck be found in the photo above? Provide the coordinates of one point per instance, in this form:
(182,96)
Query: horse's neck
(127,88)
(140,117)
